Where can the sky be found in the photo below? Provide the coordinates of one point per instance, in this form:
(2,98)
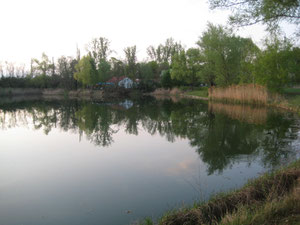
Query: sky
(56,27)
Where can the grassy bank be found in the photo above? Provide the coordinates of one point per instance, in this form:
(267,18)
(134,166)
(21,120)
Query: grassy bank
(188,92)
(292,96)
(199,92)
(270,199)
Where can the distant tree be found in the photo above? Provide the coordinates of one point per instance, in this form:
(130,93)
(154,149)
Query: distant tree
(145,71)
(166,80)
(1,70)
(131,61)
(294,65)
(99,49)
(269,12)
(65,69)
(164,52)
(186,66)
(278,65)
(44,66)
(10,69)
(155,54)
(117,67)
(86,72)
(104,70)
(224,55)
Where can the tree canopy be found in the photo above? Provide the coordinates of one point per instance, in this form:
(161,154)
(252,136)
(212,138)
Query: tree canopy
(269,12)
(86,72)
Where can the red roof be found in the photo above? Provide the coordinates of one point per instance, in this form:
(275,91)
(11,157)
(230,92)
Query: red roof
(116,79)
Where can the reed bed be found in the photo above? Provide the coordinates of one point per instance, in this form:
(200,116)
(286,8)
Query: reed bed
(247,93)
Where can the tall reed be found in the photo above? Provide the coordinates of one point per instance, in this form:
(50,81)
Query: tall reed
(247,93)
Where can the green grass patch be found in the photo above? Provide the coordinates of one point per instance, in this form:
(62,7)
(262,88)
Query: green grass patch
(293,91)
(284,210)
(200,92)
(294,100)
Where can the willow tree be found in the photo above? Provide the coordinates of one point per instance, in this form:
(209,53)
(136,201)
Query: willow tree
(86,72)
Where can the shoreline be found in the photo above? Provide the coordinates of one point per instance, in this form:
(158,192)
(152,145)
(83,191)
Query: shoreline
(257,202)
(175,93)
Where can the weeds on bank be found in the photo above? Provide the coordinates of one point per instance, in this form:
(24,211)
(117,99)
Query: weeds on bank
(256,203)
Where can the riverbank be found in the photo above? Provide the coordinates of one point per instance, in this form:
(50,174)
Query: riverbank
(289,99)
(273,198)
(197,93)
(85,94)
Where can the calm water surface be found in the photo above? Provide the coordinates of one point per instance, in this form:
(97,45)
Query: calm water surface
(75,162)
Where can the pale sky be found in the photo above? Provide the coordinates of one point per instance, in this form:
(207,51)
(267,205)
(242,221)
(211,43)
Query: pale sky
(30,27)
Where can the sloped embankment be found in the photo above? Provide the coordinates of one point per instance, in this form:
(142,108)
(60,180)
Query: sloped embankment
(268,191)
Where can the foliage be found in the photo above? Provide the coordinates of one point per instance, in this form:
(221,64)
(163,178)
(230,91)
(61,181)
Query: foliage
(117,67)
(186,66)
(145,71)
(220,58)
(163,53)
(104,71)
(130,60)
(86,72)
(43,66)
(99,49)
(269,12)
(278,65)
(65,69)
(226,56)
(166,80)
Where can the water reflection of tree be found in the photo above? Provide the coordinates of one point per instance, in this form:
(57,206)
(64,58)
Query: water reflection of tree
(219,137)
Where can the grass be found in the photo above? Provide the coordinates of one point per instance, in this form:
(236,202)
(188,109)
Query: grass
(292,98)
(200,92)
(269,199)
(294,101)
(291,91)
(281,211)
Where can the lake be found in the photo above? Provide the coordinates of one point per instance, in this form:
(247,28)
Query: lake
(92,162)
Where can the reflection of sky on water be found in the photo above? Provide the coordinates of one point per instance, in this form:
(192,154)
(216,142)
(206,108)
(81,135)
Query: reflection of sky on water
(56,179)
(64,178)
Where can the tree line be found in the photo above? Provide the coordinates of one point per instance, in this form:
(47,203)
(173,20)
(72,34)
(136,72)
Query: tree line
(220,57)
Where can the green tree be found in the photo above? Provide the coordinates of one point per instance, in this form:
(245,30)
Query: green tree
(43,66)
(166,80)
(86,72)
(99,49)
(278,65)
(104,70)
(225,56)
(65,68)
(163,53)
(131,61)
(186,66)
(117,67)
(41,70)
(269,12)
